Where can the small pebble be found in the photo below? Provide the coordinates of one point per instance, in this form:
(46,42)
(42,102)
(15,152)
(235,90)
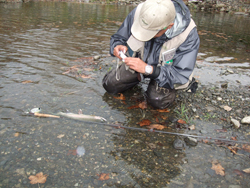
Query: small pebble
(246,120)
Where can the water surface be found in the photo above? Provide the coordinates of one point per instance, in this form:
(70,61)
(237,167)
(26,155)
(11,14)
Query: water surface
(40,41)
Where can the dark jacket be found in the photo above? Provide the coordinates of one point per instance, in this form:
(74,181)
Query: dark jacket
(185,57)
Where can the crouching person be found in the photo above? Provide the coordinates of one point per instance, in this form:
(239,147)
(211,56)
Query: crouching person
(161,42)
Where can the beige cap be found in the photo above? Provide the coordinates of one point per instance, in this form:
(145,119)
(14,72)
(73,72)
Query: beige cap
(154,16)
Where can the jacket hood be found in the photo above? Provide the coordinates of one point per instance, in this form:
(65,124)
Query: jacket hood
(182,19)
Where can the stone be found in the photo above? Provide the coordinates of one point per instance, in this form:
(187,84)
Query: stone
(179,144)
(96,57)
(234,186)
(219,98)
(191,141)
(224,85)
(236,123)
(246,120)
(220,5)
(210,108)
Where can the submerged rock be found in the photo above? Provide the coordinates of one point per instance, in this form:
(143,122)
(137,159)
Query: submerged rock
(246,120)
(191,141)
(179,143)
(236,123)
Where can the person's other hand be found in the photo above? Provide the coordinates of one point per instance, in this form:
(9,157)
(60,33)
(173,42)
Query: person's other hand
(119,48)
(135,64)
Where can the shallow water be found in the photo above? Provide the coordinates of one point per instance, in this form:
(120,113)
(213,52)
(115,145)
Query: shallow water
(40,41)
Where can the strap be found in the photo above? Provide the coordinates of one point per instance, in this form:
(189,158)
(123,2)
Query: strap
(178,40)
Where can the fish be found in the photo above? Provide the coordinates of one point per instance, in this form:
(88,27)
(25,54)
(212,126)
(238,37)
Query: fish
(82,117)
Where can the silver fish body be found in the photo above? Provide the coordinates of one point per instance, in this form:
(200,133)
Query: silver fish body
(82,117)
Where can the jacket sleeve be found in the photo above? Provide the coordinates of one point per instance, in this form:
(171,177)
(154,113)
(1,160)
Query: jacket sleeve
(123,33)
(183,63)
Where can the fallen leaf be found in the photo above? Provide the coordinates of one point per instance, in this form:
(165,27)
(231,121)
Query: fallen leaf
(26,82)
(151,145)
(221,130)
(38,178)
(143,105)
(103,176)
(60,136)
(164,117)
(144,122)
(156,126)
(160,144)
(191,127)
(234,138)
(163,110)
(205,141)
(72,152)
(85,76)
(181,121)
(121,97)
(247,170)
(227,108)
(88,69)
(133,107)
(218,168)
(16,134)
(238,172)
(246,147)
(232,149)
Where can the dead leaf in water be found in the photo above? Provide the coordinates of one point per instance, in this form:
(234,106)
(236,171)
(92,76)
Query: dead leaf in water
(38,178)
(156,126)
(246,147)
(133,107)
(151,145)
(103,176)
(121,97)
(247,170)
(205,141)
(227,108)
(181,121)
(144,122)
(191,127)
(72,152)
(60,136)
(16,134)
(85,76)
(163,110)
(143,105)
(218,168)
(27,81)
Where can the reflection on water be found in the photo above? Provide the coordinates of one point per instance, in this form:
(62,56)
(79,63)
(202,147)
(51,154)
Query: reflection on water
(42,40)
(224,35)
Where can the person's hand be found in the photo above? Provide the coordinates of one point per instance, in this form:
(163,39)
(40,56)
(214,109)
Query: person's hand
(119,48)
(135,64)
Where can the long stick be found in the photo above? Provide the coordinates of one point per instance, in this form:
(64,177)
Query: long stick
(151,130)
(172,133)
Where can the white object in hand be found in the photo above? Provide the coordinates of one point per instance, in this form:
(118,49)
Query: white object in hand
(122,55)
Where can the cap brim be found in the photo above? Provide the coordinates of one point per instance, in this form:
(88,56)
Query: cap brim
(140,33)
(134,43)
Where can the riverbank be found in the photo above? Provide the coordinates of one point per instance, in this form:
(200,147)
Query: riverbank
(229,6)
